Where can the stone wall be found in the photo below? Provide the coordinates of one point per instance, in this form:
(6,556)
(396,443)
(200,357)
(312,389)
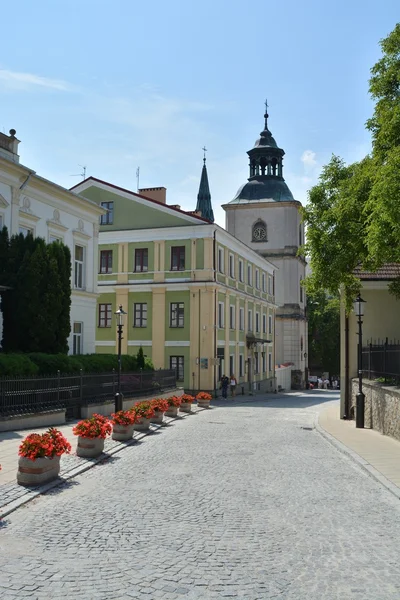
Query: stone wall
(382,407)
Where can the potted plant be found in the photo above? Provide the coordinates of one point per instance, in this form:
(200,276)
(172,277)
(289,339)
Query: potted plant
(40,454)
(91,435)
(123,422)
(186,403)
(203,400)
(174,403)
(143,412)
(160,405)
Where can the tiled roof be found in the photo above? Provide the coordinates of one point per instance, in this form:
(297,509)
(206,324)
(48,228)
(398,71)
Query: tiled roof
(388,272)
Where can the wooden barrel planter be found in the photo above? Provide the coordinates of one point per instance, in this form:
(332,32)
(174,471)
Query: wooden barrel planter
(186,407)
(122,433)
(172,411)
(142,424)
(38,471)
(158,417)
(89,447)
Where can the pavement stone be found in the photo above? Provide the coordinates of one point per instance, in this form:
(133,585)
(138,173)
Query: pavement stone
(235,502)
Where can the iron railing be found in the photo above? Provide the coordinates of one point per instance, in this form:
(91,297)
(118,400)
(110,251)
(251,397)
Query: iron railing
(22,396)
(381,359)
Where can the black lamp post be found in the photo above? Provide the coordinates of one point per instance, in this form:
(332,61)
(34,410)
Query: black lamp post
(360,397)
(118,404)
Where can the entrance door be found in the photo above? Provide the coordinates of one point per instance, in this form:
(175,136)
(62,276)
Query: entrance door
(221,366)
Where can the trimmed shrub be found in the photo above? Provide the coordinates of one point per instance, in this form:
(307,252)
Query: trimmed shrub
(49,364)
(12,365)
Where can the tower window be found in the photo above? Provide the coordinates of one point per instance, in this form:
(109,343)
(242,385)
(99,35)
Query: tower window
(259,232)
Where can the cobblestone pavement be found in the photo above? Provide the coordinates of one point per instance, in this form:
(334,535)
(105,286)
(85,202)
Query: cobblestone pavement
(242,501)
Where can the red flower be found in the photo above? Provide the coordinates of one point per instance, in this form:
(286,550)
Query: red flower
(203,396)
(174,401)
(143,410)
(160,404)
(123,417)
(46,445)
(187,398)
(97,426)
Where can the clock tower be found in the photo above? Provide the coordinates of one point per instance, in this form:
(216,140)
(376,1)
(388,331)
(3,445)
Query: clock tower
(265,216)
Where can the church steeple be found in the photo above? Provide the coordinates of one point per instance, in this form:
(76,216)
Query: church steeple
(204,197)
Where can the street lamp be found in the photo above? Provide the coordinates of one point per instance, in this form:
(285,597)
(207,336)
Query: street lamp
(120,323)
(360,397)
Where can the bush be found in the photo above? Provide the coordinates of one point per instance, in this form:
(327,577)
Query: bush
(49,364)
(12,365)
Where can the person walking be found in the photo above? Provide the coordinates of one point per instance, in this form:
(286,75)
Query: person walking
(233,384)
(224,386)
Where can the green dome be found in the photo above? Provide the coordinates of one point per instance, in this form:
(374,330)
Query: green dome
(263,189)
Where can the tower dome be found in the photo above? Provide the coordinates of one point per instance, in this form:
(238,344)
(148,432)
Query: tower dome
(266,182)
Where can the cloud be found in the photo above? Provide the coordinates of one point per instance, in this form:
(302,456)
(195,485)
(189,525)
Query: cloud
(14,80)
(308,160)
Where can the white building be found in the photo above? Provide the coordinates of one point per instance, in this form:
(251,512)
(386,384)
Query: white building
(31,203)
(265,216)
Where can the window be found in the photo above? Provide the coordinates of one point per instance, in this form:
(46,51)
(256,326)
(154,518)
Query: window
(269,361)
(105,315)
(1,222)
(241,319)
(241,274)
(232,266)
(264,283)
(77,341)
(54,238)
(269,324)
(259,231)
(140,314)
(108,218)
(273,284)
(177,364)
(241,365)
(264,362)
(106,261)
(79,270)
(264,318)
(177,258)
(269,284)
(257,279)
(250,320)
(177,311)
(221,266)
(257,322)
(301,290)
(25,231)
(232,324)
(256,363)
(231,365)
(221,320)
(300,235)
(249,275)
(142,260)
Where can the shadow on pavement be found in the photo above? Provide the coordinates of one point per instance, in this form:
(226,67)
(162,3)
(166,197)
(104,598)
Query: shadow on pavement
(289,400)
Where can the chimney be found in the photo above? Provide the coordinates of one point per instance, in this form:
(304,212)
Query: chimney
(155,193)
(9,146)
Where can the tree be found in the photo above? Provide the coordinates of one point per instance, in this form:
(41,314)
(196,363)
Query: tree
(353,213)
(140,358)
(323,333)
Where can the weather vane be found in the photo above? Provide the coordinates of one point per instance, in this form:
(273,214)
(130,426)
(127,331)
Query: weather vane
(266,105)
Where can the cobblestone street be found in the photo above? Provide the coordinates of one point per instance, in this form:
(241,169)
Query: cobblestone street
(243,501)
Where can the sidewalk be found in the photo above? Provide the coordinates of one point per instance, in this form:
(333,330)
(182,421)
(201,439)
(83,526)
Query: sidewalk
(376,453)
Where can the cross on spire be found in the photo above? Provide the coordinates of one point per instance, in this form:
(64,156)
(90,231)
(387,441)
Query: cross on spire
(266,105)
(204,157)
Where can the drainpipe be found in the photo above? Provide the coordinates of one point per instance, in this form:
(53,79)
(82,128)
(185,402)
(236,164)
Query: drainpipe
(26,180)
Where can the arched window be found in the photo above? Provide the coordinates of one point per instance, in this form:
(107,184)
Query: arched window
(259,231)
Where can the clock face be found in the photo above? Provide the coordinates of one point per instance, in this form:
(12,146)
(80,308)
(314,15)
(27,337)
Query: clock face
(259,233)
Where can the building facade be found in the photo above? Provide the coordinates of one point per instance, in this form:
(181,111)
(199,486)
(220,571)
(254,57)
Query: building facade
(265,216)
(197,299)
(29,203)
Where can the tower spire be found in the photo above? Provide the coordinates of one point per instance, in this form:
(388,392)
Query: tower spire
(266,115)
(204,205)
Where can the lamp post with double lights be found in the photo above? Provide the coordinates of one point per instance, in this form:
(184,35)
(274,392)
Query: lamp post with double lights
(118,400)
(359,310)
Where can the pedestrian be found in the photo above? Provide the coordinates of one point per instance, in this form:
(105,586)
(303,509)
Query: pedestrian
(224,385)
(335,384)
(233,385)
(319,383)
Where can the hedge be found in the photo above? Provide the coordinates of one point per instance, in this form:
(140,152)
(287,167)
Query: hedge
(48,364)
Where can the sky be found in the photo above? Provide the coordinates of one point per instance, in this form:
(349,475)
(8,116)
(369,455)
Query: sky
(113,86)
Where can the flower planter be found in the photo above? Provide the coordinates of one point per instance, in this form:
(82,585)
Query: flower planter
(172,411)
(122,433)
(186,407)
(203,403)
(37,471)
(89,447)
(142,424)
(158,417)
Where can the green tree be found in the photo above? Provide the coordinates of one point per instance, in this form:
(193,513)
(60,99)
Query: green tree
(140,358)
(323,313)
(353,213)
(62,256)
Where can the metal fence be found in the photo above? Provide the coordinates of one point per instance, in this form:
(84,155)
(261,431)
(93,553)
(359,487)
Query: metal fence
(22,396)
(381,359)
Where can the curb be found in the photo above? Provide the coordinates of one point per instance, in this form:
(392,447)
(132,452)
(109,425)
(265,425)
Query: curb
(364,464)
(43,489)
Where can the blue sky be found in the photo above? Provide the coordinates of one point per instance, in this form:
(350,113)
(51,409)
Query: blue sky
(114,86)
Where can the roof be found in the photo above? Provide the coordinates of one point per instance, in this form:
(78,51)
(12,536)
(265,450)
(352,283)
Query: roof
(387,272)
(136,194)
(263,189)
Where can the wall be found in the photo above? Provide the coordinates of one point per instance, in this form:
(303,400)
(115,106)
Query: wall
(382,407)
